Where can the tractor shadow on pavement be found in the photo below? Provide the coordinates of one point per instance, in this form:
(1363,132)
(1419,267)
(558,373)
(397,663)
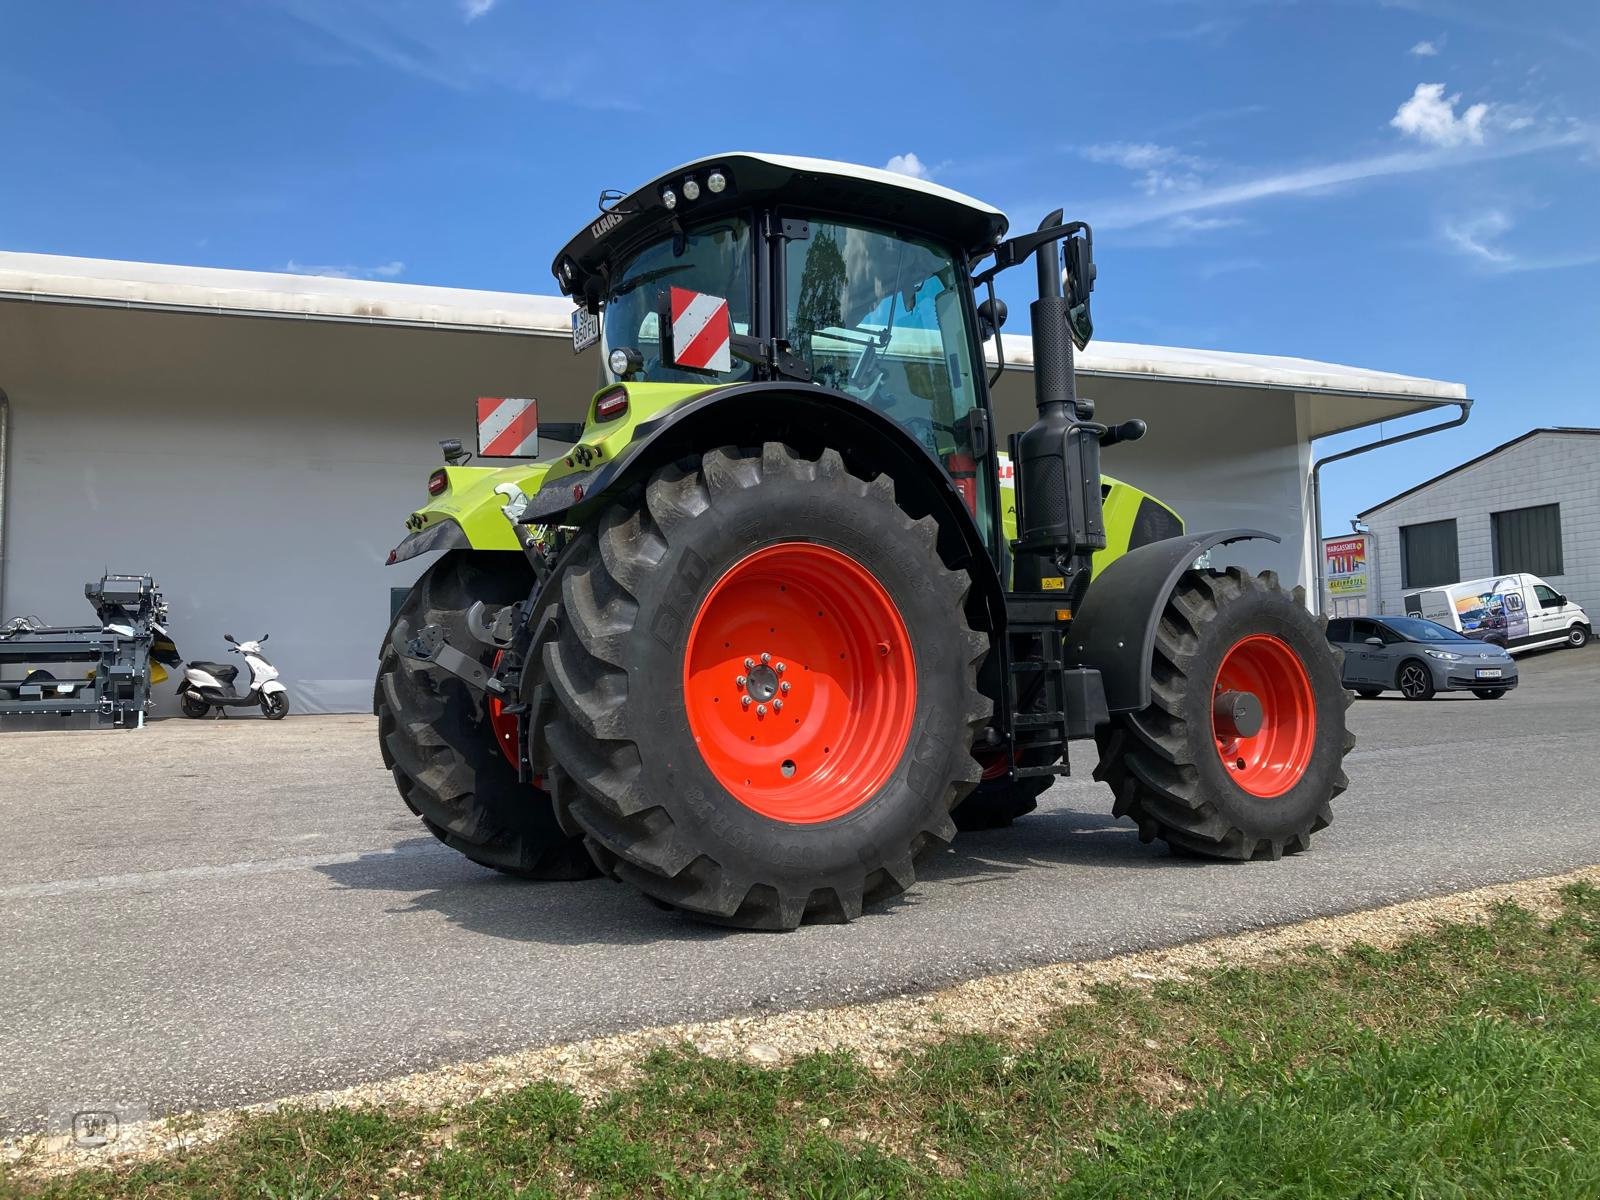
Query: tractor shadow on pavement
(426,877)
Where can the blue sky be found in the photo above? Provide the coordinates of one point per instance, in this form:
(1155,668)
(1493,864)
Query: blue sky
(1409,185)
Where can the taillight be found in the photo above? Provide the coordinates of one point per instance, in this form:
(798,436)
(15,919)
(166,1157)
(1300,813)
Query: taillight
(611,405)
(437,482)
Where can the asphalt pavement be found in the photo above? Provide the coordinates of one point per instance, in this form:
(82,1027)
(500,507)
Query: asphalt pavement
(209,913)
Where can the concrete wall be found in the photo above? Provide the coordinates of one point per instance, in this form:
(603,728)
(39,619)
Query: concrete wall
(261,469)
(1550,468)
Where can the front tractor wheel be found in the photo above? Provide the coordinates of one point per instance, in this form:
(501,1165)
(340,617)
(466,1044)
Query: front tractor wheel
(1240,752)
(761,700)
(445,743)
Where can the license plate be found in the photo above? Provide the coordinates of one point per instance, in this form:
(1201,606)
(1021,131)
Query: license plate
(585,329)
(1488,672)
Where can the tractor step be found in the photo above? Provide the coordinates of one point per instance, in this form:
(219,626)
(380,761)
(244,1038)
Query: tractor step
(1050,702)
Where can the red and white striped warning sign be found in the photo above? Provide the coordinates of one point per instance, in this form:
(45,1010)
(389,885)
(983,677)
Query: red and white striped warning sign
(701,331)
(508,428)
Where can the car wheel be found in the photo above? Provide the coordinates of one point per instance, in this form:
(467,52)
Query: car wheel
(1415,681)
(1577,636)
(1369,693)
(1488,693)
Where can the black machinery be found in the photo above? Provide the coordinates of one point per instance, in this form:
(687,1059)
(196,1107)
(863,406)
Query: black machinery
(102,669)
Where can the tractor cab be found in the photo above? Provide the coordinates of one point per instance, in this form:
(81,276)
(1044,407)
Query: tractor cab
(819,273)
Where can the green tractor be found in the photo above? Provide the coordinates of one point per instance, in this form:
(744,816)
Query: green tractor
(784,616)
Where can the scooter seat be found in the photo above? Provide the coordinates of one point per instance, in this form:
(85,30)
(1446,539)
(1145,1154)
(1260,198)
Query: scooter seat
(221,672)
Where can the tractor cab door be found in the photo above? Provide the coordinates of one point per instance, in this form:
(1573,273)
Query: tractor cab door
(884,317)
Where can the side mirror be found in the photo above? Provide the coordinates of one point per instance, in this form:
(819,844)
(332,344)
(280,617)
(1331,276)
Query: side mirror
(991,318)
(227,637)
(1079,252)
(1374,641)
(265,636)
(1560,600)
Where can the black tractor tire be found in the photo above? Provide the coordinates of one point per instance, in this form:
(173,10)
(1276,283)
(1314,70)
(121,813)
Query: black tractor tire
(616,701)
(1489,693)
(1414,680)
(193,707)
(1369,693)
(996,803)
(435,736)
(1163,762)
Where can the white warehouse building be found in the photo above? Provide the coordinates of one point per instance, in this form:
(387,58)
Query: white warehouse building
(256,441)
(1529,505)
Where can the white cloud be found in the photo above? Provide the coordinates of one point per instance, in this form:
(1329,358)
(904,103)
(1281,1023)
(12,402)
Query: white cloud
(473,9)
(908,164)
(1478,237)
(1424,49)
(1161,168)
(1430,117)
(1473,236)
(1322,177)
(389,270)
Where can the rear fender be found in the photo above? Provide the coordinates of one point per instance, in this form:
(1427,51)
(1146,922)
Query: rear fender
(811,419)
(1114,629)
(468,514)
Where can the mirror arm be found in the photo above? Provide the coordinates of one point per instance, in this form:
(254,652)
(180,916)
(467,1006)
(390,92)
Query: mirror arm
(1015,250)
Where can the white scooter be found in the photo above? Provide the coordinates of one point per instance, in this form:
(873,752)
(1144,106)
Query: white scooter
(208,685)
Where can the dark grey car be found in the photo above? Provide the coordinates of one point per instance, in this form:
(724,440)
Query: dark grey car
(1418,658)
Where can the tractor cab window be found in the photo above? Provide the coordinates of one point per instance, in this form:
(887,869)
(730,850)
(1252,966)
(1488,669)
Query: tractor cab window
(880,317)
(713,258)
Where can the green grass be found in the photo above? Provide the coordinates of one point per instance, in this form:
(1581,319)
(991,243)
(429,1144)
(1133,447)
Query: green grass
(1464,1063)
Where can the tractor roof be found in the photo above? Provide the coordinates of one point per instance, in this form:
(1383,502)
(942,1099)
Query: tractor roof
(815,184)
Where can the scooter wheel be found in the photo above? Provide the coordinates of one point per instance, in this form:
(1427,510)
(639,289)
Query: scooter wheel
(192,707)
(275,706)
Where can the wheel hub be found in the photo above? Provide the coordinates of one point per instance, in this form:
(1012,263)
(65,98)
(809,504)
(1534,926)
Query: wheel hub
(1236,714)
(761,684)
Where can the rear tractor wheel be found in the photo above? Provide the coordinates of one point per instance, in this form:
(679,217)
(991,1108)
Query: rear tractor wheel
(1240,752)
(446,744)
(762,696)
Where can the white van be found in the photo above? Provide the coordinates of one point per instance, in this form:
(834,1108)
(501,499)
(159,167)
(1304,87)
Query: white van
(1517,612)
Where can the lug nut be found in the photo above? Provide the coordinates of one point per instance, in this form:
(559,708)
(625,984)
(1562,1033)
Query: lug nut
(749,663)
(761,710)
(779,668)
(739,681)
(744,701)
(783,687)
(777,706)
(765,657)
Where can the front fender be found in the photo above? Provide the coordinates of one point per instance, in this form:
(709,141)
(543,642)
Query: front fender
(1114,629)
(809,418)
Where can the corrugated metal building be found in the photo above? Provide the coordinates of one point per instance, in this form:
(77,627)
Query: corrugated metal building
(256,440)
(1531,504)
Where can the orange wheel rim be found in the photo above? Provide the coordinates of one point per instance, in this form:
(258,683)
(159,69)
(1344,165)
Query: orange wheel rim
(799,683)
(1264,739)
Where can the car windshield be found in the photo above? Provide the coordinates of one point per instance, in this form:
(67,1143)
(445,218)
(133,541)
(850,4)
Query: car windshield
(1418,630)
(712,258)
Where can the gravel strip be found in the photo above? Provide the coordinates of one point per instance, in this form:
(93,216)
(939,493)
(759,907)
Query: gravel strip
(1010,1005)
